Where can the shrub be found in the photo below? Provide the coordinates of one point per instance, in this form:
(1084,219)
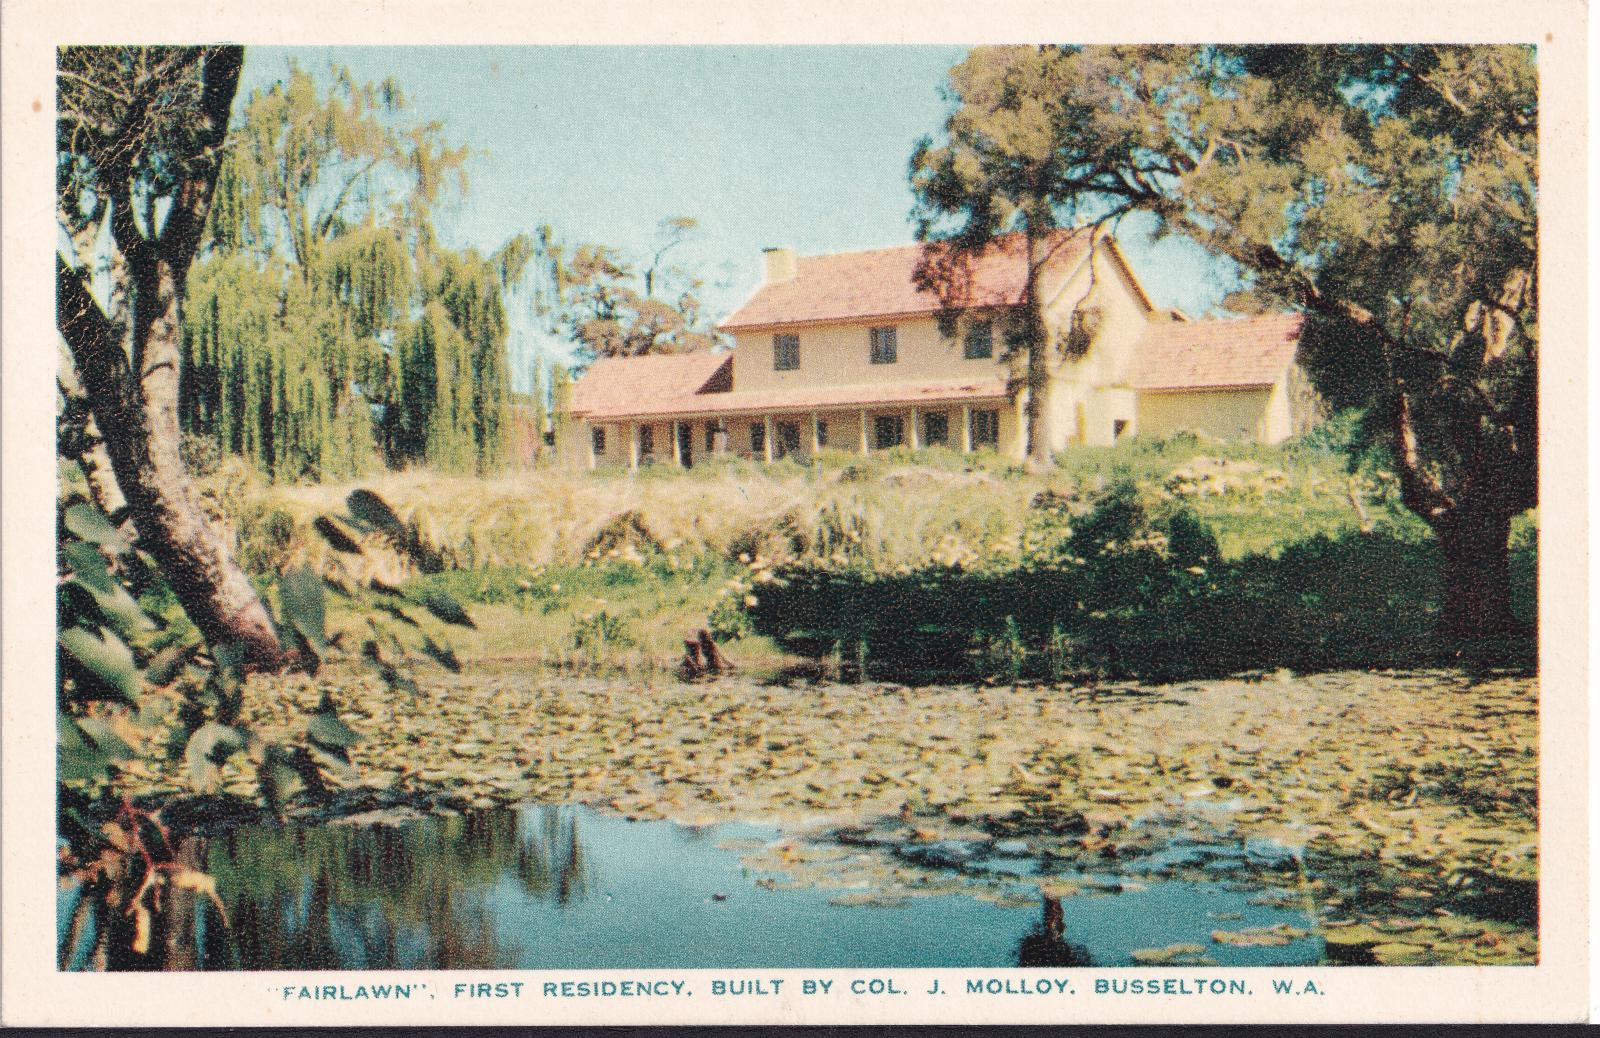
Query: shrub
(598,634)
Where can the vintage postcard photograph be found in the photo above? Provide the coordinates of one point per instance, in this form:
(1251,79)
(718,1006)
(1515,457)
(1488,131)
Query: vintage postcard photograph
(610,531)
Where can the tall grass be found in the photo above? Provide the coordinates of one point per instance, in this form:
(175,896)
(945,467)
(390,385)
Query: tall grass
(886,511)
(572,566)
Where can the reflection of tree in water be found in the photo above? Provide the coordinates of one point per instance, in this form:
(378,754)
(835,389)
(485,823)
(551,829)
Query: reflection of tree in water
(1047,945)
(412,896)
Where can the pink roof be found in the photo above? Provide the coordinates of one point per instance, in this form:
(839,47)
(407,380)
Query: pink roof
(615,382)
(881,283)
(1252,351)
(636,385)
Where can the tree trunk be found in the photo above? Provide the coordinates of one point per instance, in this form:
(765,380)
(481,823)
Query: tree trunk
(129,367)
(138,420)
(1037,409)
(1469,506)
(1477,577)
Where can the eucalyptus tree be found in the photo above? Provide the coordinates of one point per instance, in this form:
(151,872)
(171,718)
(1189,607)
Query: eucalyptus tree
(140,133)
(601,309)
(996,171)
(1388,192)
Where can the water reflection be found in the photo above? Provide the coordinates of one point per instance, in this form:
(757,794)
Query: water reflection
(412,896)
(1047,945)
(570,888)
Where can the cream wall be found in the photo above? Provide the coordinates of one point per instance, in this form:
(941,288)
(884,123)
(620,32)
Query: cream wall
(1090,392)
(1261,414)
(839,355)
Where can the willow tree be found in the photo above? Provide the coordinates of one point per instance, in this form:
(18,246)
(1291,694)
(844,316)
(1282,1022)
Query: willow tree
(325,293)
(139,137)
(1390,193)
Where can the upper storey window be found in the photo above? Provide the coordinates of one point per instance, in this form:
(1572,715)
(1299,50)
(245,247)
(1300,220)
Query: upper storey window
(785,352)
(979,343)
(885,350)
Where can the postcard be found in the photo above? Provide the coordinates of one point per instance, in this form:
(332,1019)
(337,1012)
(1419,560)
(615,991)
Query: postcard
(712,513)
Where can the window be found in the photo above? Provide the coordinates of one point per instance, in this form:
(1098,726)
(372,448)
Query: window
(1118,427)
(936,430)
(647,439)
(979,343)
(597,439)
(822,433)
(712,429)
(785,352)
(884,350)
(887,431)
(758,438)
(986,428)
(788,439)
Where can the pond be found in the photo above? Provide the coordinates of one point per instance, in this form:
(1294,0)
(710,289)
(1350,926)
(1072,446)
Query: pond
(540,887)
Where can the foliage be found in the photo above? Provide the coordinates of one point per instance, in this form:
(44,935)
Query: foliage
(605,312)
(135,687)
(1389,192)
(1133,586)
(328,329)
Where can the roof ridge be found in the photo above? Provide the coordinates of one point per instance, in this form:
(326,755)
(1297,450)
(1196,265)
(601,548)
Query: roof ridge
(1234,320)
(1069,231)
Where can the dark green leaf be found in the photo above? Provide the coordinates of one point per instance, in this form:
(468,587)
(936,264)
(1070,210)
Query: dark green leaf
(443,653)
(396,612)
(89,566)
(446,608)
(326,730)
(371,510)
(90,524)
(166,665)
(281,776)
(105,740)
(229,658)
(103,660)
(208,748)
(115,604)
(336,538)
(336,763)
(300,596)
(123,611)
(78,759)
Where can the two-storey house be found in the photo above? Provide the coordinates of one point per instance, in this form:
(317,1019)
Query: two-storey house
(848,352)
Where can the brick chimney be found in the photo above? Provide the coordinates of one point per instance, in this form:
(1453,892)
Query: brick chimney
(781,264)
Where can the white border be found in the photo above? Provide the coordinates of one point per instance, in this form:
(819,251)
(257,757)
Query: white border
(34,993)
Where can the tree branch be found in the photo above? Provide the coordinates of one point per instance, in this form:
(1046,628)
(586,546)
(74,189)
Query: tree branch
(180,239)
(103,368)
(333,209)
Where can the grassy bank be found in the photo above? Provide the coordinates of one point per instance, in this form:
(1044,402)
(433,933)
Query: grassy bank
(965,566)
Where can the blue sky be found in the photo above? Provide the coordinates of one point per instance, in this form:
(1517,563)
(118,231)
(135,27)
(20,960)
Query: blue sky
(799,146)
